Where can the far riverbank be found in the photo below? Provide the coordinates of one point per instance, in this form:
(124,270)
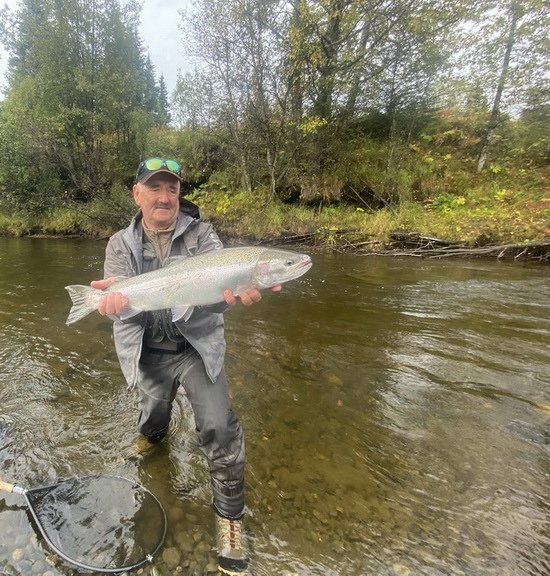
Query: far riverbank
(501,226)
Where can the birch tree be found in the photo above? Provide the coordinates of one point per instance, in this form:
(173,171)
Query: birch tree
(505,50)
(514,14)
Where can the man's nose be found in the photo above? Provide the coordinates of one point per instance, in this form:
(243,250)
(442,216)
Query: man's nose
(163,193)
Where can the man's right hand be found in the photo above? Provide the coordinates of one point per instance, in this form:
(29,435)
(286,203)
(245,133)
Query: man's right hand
(113,303)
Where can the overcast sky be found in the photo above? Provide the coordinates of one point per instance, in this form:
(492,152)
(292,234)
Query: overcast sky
(160,35)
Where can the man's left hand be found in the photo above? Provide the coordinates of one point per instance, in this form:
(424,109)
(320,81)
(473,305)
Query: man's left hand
(247,298)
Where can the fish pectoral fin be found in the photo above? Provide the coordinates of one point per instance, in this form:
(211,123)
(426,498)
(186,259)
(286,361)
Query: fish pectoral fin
(182,313)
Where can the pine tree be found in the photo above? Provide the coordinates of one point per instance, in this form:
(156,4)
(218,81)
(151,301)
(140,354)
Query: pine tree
(163,110)
(76,79)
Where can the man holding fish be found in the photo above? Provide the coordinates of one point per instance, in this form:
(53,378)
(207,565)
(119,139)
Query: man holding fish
(163,342)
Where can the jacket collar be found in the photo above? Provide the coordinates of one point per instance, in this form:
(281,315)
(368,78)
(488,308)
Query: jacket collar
(188,213)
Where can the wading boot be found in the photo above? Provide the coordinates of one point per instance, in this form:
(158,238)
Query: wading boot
(232,551)
(141,447)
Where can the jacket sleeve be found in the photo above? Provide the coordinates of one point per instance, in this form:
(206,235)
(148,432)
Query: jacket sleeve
(118,259)
(207,239)
(119,264)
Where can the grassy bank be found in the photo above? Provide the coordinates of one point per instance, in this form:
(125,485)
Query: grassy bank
(481,215)
(489,213)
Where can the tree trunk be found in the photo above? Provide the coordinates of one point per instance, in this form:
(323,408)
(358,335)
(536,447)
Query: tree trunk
(495,112)
(355,88)
(330,45)
(271,164)
(297,59)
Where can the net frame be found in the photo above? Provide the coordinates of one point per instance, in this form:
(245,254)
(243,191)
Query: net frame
(26,493)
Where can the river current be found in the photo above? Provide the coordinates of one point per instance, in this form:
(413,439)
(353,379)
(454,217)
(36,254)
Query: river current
(396,414)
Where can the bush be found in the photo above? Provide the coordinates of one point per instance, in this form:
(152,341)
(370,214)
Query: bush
(110,212)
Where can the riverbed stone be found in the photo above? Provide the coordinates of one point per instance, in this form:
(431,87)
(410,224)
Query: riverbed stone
(201,548)
(184,542)
(21,540)
(175,514)
(197,536)
(171,557)
(333,379)
(320,516)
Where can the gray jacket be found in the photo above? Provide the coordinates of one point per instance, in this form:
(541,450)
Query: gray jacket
(204,330)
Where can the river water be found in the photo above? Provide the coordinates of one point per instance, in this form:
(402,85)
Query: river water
(396,413)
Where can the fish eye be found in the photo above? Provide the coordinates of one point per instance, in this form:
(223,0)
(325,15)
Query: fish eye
(288,263)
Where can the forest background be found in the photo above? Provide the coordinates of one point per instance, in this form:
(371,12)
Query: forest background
(342,122)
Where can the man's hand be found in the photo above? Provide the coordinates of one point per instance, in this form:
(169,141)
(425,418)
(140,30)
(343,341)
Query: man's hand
(247,298)
(113,303)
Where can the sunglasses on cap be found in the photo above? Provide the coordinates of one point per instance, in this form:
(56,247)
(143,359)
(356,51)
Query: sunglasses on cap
(148,167)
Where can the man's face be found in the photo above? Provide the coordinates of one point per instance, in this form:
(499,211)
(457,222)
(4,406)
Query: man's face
(158,199)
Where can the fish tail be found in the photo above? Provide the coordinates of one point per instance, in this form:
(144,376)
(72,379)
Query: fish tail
(82,303)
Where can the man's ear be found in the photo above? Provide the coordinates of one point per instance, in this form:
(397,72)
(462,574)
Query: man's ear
(135,191)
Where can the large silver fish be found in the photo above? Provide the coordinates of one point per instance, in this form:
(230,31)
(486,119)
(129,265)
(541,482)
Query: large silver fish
(183,283)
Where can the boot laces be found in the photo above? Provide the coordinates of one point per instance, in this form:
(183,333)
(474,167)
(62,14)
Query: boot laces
(230,534)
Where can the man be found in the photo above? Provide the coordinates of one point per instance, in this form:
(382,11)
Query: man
(159,355)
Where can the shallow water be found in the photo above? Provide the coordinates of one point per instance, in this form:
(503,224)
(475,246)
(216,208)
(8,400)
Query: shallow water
(396,414)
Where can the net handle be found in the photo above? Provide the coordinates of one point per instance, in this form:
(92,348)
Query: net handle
(6,487)
(11,488)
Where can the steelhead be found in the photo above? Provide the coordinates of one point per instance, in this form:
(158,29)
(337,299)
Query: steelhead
(183,283)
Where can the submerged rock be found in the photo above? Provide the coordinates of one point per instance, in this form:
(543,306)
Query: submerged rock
(171,557)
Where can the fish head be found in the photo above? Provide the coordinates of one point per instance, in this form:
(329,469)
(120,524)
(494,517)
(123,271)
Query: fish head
(278,266)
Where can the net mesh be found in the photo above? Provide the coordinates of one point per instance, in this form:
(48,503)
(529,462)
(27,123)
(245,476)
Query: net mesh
(105,523)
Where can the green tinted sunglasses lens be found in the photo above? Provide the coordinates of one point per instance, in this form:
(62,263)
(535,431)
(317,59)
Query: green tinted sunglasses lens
(153,163)
(157,163)
(172,165)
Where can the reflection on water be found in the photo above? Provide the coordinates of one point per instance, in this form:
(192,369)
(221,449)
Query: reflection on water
(99,522)
(396,415)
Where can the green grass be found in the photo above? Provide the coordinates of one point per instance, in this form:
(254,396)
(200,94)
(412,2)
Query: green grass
(491,211)
(486,213)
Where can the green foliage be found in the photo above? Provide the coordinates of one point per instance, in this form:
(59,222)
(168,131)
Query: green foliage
(62,221)
(108,212)
(447,202)
(104,215)
(533,137)
(302,114)
(15,225)
(80,103)
(142,125)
